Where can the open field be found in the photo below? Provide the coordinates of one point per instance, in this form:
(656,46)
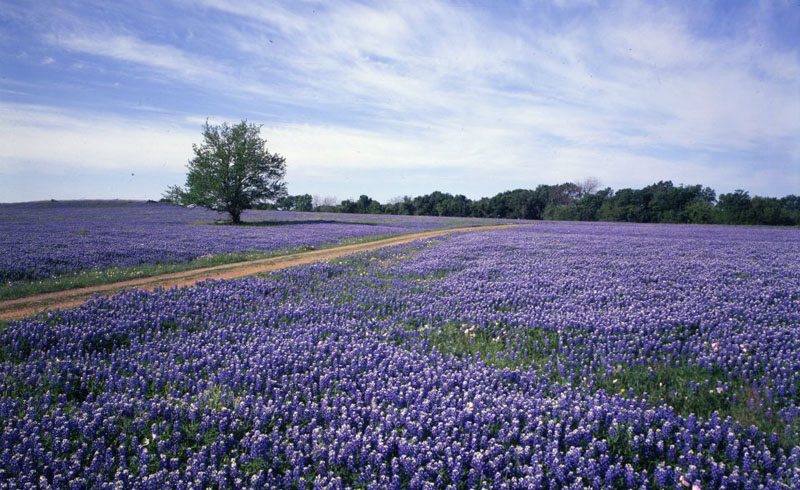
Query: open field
(36,303)
(554,354)
(63,245)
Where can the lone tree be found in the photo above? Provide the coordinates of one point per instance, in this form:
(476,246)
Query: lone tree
(231,171)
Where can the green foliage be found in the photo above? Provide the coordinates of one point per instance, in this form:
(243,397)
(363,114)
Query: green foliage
(231,171)
(364,205)
(770,211)
(254,466)
(560,212)
(662,202)
(735,207)
(699,211)
(457,339)
(303,202)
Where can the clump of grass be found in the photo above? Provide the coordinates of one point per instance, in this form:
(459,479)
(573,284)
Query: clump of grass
(253,466)
(518,348)
(691,389)
(462,340)
(686,388)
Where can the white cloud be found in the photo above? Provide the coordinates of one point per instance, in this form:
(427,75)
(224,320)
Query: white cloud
(93,142)
(221,76)
(41,138)
(273,13)
(164,58)
(438,84)
(438,62)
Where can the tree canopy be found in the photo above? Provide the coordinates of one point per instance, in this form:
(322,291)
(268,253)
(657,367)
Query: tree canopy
(231,171)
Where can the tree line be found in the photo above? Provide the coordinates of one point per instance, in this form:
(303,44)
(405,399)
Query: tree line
(232,170)
(662,202)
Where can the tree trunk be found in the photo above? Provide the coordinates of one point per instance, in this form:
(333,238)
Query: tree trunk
(236,216)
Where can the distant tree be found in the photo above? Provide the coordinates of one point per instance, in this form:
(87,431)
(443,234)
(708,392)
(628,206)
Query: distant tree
(736,207)
(457,205)
(431,204)
(406,206)
(347,206)
(699,211)
(367,205)
(394,206)
(563,194)
(791,202)
(768,211)
(285,203)
(303,202)
(661,202)
(174,194)
(519,203)
(625,205)
(326,203)
(588,207)
(560,212)
(588,185)
(231,171)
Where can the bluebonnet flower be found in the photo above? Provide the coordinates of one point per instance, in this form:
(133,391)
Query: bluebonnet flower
(327,375)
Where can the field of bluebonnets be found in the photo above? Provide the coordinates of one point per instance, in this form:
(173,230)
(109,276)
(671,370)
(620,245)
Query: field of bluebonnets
(551,355)
(110,239)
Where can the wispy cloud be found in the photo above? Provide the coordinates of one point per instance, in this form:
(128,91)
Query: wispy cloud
(160,57)
(631,92)
(41,138)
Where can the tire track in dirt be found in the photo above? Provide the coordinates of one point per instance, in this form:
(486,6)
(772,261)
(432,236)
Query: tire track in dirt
(30,305)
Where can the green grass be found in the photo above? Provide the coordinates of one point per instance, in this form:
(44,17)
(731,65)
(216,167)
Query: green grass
(532,347)
(688,389)
(701,391)
(75,390)
(363,239)
(252,467)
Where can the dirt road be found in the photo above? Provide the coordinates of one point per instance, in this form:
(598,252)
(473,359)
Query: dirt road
(29,305)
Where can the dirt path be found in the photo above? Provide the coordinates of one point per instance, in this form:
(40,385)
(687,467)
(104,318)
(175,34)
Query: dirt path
(29,305)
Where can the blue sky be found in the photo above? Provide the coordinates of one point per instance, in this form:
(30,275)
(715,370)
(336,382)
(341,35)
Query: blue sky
(104,99)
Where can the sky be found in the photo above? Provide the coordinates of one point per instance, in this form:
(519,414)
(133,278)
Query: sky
(105,99)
